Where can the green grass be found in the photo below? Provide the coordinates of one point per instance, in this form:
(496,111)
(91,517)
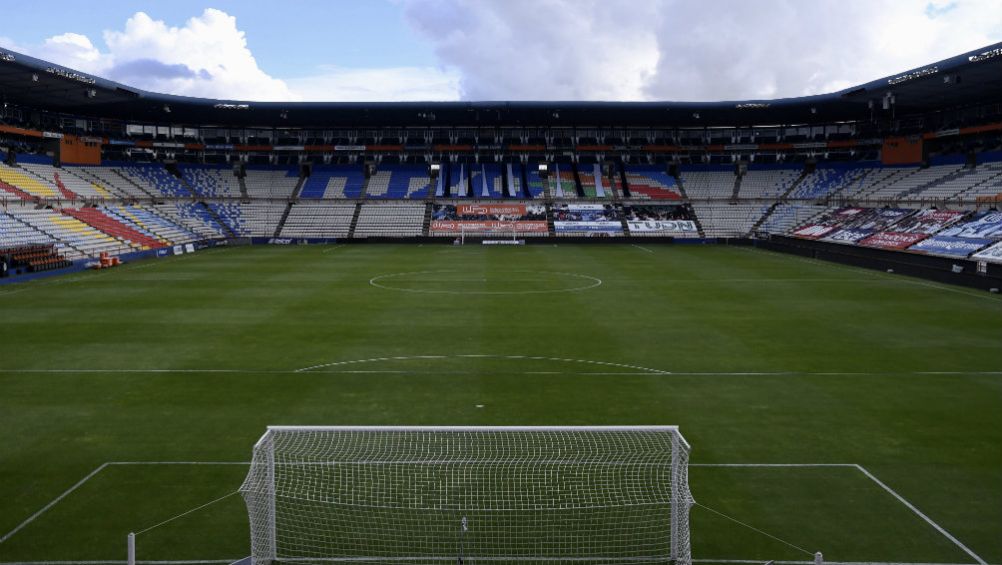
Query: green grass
(843,351)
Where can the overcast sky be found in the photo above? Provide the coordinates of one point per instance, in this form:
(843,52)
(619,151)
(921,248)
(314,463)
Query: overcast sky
(334,50)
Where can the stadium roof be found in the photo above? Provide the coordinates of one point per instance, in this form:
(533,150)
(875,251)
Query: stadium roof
(974,77)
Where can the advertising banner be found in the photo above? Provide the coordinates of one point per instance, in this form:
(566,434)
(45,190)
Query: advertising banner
(949,246)
(814,231)
(490,209)
(848,235)
(663,226)
(986,225)
(472,227)
(993,254)
(893,240)
(928,221)
(588,226)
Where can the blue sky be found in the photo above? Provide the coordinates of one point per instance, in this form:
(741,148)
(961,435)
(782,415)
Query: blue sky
(499,49)
(288,41)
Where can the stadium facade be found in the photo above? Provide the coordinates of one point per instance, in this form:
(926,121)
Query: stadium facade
(904,172)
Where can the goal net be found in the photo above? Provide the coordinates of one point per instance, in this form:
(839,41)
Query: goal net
(463,495)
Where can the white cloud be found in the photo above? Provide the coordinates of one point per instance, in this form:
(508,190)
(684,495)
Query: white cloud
(692,50)
(395,84)
(209,57)
(543,49)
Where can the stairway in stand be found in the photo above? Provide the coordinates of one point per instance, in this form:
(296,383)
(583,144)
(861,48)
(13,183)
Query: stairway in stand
(780,200)
(285,217)
(426,226)
(212,213)
(354,217)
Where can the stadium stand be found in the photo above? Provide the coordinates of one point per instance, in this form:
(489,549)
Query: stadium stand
(537,185)
(561,183)
(399,181)
(334,181)
(650,182)
(906,180)
(15,233)
(707,184)
(24,185)
(390,219)
(211,181)
(253,219)
(961,181)
(767,184)
(114,227)
(270,183)
(149,222)
(593,183)
(81,239)
(828,179)
(489,182)
(156,179)
(113,181)
(319,220)
(728,220)
(193,217)
(785,217)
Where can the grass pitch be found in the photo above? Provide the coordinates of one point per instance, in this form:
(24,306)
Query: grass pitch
(759,357)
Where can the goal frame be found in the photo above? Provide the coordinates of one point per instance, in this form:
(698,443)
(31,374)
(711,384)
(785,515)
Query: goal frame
(681,500)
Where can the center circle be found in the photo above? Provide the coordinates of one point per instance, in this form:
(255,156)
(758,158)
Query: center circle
(507,282)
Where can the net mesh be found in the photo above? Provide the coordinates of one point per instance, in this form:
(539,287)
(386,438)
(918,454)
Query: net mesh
(465,495)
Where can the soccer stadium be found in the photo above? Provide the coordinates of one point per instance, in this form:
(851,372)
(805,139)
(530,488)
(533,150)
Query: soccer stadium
(733,331)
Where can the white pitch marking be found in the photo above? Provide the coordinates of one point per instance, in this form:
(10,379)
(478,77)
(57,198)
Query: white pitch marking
(480,356)
(642,248)
(90,476)
(54,501)
(794,465)
(920,514)
(112,463)
(640,371)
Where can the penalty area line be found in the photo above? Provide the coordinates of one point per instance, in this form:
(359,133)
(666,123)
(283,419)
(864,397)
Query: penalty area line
(868,475)
(52,503)
(922,515)
(90,476)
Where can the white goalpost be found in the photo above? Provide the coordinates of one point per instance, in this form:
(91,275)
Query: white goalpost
(467,494)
